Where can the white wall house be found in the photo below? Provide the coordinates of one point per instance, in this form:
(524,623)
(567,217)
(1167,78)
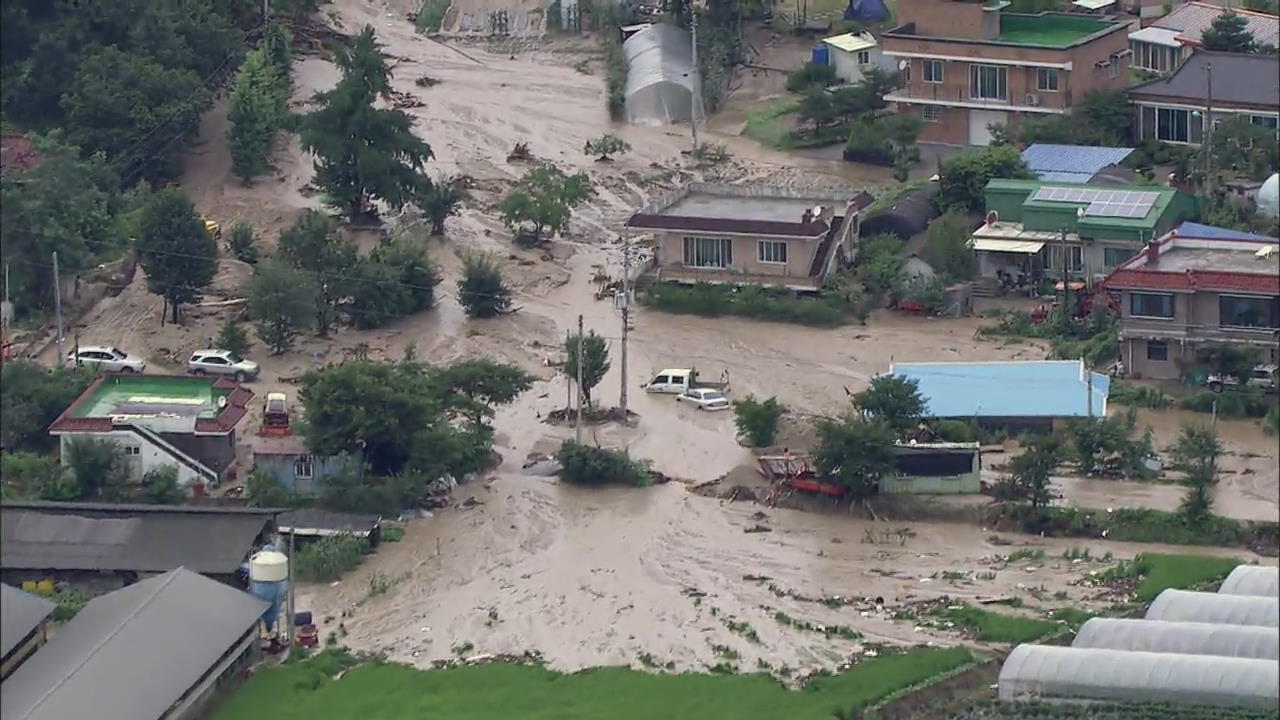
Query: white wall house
(146,451)
(851,54)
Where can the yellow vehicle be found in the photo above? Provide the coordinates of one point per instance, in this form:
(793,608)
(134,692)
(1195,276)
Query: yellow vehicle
(213,228)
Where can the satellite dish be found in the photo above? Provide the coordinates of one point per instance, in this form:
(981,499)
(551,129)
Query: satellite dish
(992,217)
(222,401)
(904,64)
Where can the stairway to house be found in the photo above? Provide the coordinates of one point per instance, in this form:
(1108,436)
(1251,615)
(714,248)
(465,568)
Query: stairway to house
(986,287)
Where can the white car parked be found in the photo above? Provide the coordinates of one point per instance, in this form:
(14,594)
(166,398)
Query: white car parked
(108,359)
(1263,376)
(704,399)
(222,362)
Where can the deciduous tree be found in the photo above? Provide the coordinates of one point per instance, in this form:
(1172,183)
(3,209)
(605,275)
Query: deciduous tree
(439,200)
(606,145)
(100,467)
(542,201)
(232,336)
(281,301)
(363,152)
(757,419)
(160,486)
(482,292)
(946,247)
(963,179)
(31,398)
(893,400)
(855,454)
(30,476)
(314,245)
(1029,478)
(177,253)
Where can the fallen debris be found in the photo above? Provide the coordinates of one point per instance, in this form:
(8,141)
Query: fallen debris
(757,529)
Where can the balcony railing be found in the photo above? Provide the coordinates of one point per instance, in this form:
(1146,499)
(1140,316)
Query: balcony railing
(1143,327)
(949,93)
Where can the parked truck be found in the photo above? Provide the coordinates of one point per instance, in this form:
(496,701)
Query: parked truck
(677,381)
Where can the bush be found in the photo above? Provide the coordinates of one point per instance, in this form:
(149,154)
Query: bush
(69,602)
(482,291)
(956,431)
(1152,526)
(431,15)
(809,75)
(1123,393)
(587,465)
(1236,402)
(232,336)
(243,243)
(757,419)
(262,490)
(160,486)
(868,143)
(327,558)
(963,178)
(778,305)
(988,626)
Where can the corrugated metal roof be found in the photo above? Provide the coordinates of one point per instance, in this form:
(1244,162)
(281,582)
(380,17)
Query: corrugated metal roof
(141,542)
(20,613)
(1071,163)
(1209,232)
(850,42)
(1193,18)
(133,653)
(1238,79)
(1043,389)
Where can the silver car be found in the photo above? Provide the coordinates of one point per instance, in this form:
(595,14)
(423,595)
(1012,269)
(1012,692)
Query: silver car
(222,362)
(108,359)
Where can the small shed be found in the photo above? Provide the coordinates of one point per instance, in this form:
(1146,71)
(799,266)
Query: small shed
(291,463)
(908,216)
(314,523)
(852,54)
(1252,580)
(23,617)
(935,468)
(1188,606)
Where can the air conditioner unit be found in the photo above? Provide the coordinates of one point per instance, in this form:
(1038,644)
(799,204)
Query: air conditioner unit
(1122,54)
(1105,62)
(1033,100)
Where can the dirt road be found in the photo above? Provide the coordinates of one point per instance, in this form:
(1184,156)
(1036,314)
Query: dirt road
(592,577)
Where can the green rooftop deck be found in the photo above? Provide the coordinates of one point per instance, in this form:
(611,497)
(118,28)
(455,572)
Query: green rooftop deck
(1052,30)
(191,397)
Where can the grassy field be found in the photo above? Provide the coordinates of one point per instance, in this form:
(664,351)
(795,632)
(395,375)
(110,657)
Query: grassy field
(771,123)
(381,691)
(988,626)
(1159,572)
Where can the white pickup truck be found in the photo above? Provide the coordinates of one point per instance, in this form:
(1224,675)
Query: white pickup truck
(677,381)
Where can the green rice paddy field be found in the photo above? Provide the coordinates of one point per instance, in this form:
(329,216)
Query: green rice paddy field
(382,691)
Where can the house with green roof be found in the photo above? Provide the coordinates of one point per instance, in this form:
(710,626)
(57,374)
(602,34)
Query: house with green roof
(1033,228)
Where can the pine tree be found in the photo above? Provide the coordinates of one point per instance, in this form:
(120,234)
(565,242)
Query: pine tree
(363,152)
(177,253)
(257,114)
(1229,33)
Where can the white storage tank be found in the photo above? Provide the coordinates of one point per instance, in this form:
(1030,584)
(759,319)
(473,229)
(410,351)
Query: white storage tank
(269,566)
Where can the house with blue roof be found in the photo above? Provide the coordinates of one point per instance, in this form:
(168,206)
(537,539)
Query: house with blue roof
(1073,163)
(1016,395)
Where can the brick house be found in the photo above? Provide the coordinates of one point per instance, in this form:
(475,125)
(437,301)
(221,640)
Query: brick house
(1193,290)
(1166,43)
(744,235)
(969,65)
(1174,108)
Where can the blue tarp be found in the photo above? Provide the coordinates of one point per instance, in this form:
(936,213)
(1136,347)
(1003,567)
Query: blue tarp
(1015,389)
(866,11)
(1209,232)
(1070,163)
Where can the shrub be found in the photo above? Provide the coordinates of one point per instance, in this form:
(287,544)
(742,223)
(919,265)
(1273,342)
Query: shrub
(431,15)
(757,419)
(988,626)
(955,431)
(588,465)
(809,75)
(1237,402)
(160,486)
(1123,393)
(963,178)
(69,603)
(262,490)
(482,291)
(243,243)
(232,336)
(327,558)
(778,305)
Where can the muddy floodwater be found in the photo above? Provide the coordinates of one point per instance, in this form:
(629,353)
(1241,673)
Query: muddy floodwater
(604,576)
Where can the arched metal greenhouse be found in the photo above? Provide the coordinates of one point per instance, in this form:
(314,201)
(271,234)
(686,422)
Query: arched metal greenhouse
(1181,638)
(1252,580)
(1049,672)
(1187,606)
(660,76)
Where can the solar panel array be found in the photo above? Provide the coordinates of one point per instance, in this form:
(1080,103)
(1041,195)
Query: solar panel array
(1102,203)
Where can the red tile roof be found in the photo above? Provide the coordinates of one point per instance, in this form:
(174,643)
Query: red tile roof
(1193,280)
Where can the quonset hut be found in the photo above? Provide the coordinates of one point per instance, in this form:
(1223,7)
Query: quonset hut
(1185,638)
(1187,606)
(1252,580)
(1056,673)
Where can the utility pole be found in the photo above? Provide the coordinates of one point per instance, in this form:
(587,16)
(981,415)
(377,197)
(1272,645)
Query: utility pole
(57,307)
(1207,140)
(1088,373)
(289,597)
(577,418)
(696,100)
(626,322)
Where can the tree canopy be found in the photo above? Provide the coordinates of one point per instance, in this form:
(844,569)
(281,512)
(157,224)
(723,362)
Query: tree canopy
(31,397)
(177,253)
(281,302)
(963,179)
(595,360)
(543,200)
(1229,32)
(363,152)
(893,400)
(855,454)
(258,111)
(314,245)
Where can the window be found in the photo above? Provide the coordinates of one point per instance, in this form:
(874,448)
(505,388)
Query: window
(1156,58)
(1249,312)
(931,113)
(932,71)
(864,57)
(1267,121)
(303,468)
(705,252)
(132,450)
(1047,80)
(1075,258)
(1152,305)
(1157,350)
(1111,257)
(1172,124)
(988,82)
(771,251)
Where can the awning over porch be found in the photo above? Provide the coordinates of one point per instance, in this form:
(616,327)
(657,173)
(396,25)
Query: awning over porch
(1092,4)
(1025,247)
(1157,36)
